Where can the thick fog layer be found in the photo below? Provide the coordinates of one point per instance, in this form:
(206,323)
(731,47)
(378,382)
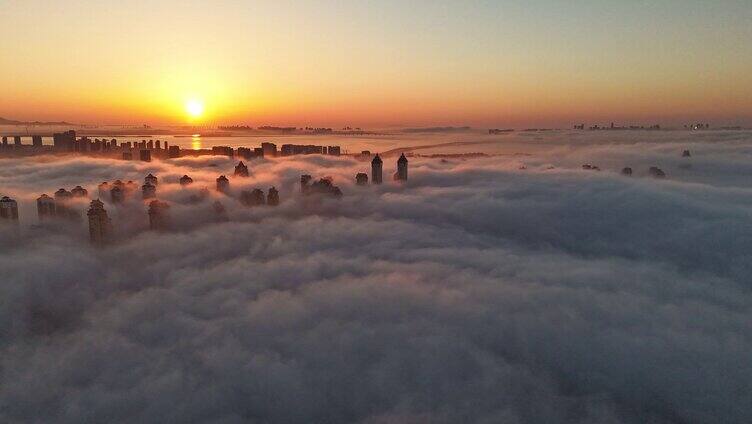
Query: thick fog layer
(476,292)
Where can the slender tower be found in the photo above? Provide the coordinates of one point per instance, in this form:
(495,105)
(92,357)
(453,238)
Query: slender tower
(100,227)
(401,168)
(376,165)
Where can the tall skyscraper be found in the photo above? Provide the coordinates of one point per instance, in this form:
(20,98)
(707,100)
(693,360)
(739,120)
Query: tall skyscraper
(103,189)
(159,218)
(269,149)
(241,170)
(8,210)
(223,184)
(272,198)
(64,141)
(401,174)
(79,191)
(361,178)
(36,140)
(173,151)
(376,169)
(252,198)
(151,179)
(62,204)
(45,207)
(63,195)
(17,140)
(117,194)
(148,191)
(144,155)
(100,227)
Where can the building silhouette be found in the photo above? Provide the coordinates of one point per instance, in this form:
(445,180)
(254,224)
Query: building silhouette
(159,215)
(401,174)
(173,152)
(252,198)
(324,186)
(223,184)
(186,180)
(245,153)
(100,227)
(103,190)
(151,179)
(63,195)
(144,155)
(376,169)
(79,191)
(148,191)
(223,151)
(627,171)
(272,198)
(361,178)
(241,170)
(63,209)
(36,140)
(64,142)
(46,207)
(117,194)
(8,209)
(268,149)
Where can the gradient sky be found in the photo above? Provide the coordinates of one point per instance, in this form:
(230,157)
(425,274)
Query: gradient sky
(376,63)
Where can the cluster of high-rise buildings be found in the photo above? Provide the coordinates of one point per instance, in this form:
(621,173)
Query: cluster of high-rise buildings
(61,205)
(613,126)
(377,171)
(117,193)
(268,150)
(146,150)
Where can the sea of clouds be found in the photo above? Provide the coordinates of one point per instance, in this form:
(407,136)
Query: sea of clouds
(476,292)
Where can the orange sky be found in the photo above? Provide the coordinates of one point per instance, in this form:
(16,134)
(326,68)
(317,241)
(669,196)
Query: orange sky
(376,64)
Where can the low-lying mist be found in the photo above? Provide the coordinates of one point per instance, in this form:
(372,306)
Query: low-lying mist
(476,292)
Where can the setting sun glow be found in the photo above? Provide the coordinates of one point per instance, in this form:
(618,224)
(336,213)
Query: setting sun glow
(194,108)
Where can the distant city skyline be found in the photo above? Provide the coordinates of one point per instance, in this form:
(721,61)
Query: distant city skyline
(485,64)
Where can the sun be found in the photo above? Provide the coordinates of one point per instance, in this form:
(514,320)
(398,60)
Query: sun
(194,108)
